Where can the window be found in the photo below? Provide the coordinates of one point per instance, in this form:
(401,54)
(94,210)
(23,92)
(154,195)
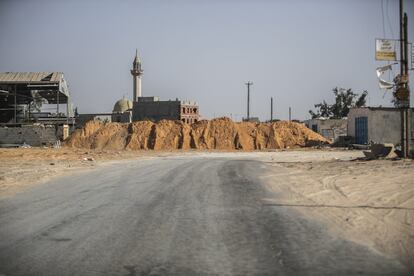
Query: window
(327,133)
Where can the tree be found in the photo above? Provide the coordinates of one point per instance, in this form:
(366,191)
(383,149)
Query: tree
(322,110)
(345,99)
(362,100)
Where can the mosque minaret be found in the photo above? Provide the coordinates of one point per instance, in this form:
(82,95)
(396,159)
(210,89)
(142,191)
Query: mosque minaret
(136,73)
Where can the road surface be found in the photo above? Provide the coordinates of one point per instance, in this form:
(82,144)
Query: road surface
(170,216)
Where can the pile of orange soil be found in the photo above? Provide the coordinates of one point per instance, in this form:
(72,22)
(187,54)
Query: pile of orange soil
(221,133)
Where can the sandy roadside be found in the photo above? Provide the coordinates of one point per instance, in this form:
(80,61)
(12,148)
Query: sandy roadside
(368,202)
(22,168)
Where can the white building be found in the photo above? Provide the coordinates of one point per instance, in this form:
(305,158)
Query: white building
(377,124)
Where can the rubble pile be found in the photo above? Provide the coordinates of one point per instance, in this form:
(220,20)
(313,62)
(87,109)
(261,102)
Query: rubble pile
(221,134)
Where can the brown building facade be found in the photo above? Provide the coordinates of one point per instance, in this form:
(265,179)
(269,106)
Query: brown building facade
(151,108)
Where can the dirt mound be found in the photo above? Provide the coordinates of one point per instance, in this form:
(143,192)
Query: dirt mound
(214,134)
(140,132)
(221,133)
(167,135)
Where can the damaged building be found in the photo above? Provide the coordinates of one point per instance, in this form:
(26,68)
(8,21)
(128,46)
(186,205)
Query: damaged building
(22,95)
(331,129)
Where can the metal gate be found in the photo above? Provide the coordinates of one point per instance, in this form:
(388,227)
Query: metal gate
(361,130)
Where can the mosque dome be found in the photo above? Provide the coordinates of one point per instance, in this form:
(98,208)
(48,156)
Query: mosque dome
(122,105)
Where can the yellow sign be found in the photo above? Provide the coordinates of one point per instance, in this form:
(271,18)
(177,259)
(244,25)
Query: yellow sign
(385,49)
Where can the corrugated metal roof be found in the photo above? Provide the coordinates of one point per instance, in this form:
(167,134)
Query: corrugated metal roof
(30,77)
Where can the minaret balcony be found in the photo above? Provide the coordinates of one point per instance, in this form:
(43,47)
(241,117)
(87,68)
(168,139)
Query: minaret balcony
(137,72)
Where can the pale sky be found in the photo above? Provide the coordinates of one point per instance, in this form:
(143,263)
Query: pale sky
(295,51)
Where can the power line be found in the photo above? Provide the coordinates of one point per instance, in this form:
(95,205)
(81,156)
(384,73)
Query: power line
(383,18)
(388,19)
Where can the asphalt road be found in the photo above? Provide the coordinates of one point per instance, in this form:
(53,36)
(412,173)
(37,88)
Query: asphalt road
(170,216)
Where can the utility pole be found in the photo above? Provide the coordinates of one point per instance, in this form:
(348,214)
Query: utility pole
(249,83)
(402,111)
(402,92)
(290,114)
(401,38)
(407,109)
(271,109)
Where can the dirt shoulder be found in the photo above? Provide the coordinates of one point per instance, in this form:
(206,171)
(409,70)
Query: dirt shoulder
(368,202)
(22,168)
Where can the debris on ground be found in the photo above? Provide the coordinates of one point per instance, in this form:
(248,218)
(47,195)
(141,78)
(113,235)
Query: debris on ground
(88,159)
(381,151)
(25,146)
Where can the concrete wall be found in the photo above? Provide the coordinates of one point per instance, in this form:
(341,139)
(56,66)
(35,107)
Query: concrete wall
(332,128)
(384,126)
(311,122)
(157,110)
(329,128)
(31,135)
(124,117)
